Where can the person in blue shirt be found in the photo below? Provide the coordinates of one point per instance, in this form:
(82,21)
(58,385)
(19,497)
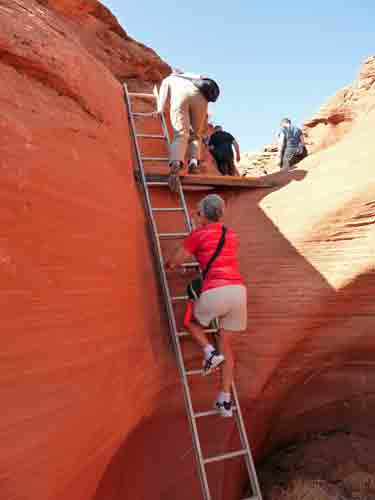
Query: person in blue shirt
(291,145)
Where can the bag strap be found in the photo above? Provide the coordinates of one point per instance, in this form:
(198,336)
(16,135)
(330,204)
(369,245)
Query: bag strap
(191,78)
(216,253)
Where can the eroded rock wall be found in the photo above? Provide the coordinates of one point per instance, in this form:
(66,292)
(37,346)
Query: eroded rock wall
(348,107)
(73,252)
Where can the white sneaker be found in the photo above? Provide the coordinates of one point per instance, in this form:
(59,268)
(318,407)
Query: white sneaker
(193,167)
(213,361)
(225,408)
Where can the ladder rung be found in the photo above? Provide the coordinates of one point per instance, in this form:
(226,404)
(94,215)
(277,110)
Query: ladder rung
(183,334)
(178,299)
(139,94)
(190,264)
(208,330)
(167,236)
(209,413)
(193,372)
(153,158)
(152,114)
(174,209)
(151,136)
(157,183)
(226,456)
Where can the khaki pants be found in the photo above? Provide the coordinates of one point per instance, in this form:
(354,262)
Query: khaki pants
(189,121)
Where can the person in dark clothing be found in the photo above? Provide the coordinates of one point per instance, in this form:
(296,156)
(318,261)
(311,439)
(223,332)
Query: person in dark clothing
(221,146)
(291,145)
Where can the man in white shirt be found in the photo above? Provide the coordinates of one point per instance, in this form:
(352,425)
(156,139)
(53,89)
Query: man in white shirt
(188,114)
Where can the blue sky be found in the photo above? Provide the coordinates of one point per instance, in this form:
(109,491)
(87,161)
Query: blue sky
(271,59)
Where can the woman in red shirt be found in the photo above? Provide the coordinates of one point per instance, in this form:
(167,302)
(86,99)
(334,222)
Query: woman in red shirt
(223,292)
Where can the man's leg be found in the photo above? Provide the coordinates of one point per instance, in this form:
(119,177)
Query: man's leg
(180,121)
(222,166)
(303,153)
(231,166)
(287,159)
(299,156)
(295,158)
(285,163)
(198,118)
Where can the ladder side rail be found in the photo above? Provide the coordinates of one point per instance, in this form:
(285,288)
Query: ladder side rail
(188,220)
(170,313)
(243,434)
(251,470)
(238,414)
(245,443)
(162,117)
(150,216)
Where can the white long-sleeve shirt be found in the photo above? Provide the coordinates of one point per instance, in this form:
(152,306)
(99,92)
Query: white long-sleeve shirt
(175,81)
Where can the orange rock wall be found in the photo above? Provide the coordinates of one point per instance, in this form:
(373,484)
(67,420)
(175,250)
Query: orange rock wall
(73,255)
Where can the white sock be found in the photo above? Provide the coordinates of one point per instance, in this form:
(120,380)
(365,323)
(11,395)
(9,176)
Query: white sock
(208,350)
(223,396)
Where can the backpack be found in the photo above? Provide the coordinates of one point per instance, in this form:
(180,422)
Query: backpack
(208,88)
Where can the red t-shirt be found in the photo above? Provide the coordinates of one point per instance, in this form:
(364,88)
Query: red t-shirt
(202,243)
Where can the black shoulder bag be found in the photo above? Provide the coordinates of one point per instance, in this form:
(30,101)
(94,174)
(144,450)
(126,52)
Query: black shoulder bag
(194,288)
(206,86)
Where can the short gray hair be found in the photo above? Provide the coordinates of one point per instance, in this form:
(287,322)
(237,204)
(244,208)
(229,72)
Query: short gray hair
(212,207)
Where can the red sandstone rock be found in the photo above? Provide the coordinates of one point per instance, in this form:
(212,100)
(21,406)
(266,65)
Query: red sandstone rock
(91,399)
(70,222)
(99,32)
(349,106)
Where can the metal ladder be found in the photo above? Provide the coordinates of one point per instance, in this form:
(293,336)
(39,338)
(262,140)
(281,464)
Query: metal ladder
(147,184)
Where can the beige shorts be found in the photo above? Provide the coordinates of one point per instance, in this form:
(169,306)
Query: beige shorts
(227,303)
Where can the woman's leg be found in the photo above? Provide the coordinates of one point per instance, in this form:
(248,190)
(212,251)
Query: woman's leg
(212,358)
(198,334)
(223,402)
(227,367)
